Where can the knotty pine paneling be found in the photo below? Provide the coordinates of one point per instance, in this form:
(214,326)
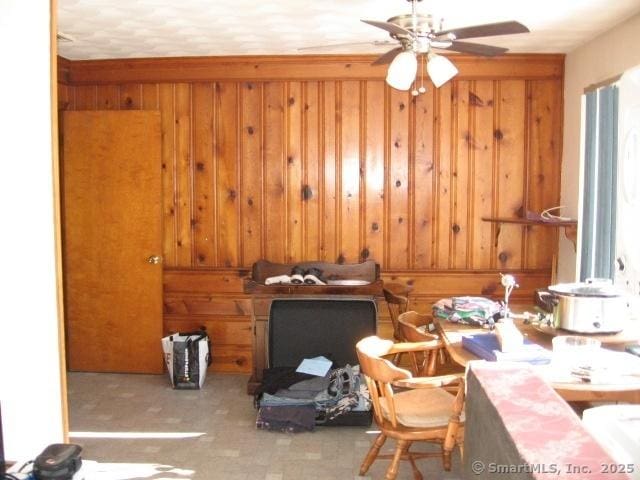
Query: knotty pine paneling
(348,170)
(258,164)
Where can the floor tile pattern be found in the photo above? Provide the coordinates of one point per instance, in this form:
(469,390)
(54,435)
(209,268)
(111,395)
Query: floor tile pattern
(129,424)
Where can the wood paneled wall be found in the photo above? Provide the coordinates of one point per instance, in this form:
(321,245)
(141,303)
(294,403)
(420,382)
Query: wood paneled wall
(343,169)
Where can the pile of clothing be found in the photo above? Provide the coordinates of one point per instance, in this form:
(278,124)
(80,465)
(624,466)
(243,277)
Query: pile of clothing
(477,311)
(289,401)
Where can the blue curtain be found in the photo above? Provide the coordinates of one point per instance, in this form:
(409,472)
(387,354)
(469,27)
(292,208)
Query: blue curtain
(600,182)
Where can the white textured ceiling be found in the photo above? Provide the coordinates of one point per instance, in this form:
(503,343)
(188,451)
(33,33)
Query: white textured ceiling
(169,28)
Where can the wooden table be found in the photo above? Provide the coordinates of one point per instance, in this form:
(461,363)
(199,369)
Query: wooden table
(627,391)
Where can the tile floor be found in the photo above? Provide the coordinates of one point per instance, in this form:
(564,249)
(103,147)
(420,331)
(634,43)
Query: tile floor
(138,427)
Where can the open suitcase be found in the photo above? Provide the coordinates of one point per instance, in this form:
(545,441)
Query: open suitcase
(329,327)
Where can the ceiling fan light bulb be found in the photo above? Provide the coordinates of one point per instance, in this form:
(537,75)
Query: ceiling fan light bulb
(440,69)
(422,90)
(402,71)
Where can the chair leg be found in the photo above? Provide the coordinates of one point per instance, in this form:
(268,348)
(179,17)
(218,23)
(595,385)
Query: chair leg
(446,460)
(392,471)
(416,473)
(431,363)
(372,454)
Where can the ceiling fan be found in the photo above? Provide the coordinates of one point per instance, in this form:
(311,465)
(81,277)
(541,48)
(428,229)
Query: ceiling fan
(418,35)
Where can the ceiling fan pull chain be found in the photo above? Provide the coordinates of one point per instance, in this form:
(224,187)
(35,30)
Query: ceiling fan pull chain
(422,89)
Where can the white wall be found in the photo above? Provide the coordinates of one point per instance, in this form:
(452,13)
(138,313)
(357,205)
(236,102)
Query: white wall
(604,57)
(628,201)
(30,374)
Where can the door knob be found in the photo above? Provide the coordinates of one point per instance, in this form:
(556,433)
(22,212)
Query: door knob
(154,259)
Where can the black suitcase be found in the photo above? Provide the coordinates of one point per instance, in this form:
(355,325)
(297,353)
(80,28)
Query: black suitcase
(59,461)
(307,328)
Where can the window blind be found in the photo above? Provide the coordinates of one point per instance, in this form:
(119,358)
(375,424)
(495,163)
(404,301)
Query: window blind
(599,185)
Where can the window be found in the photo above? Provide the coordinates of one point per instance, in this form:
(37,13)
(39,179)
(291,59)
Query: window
(598,226)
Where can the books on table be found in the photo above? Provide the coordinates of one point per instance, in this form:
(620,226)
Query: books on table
(487,347)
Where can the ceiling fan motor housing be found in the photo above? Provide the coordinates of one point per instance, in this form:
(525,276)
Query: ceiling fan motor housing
(420,33)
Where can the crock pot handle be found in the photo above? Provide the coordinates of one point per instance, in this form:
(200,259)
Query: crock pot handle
(547,304)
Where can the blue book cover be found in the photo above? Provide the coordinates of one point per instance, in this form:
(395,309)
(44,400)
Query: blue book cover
(487,347)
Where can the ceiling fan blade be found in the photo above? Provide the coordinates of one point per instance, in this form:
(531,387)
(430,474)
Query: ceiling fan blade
(476,49)
(389,27)
(376,43)
(486,30)
(388,57)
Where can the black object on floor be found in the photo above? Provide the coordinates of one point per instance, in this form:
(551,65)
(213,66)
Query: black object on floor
(58,461)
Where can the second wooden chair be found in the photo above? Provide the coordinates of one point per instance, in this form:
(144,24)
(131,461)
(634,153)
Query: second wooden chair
(415,327)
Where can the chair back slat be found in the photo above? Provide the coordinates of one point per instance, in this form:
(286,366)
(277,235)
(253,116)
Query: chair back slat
(397,303)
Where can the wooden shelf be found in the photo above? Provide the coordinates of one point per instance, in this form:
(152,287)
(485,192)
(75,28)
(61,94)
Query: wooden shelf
(570,226)
(526,221)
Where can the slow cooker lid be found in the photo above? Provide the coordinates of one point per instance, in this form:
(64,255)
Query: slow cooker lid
(583,289)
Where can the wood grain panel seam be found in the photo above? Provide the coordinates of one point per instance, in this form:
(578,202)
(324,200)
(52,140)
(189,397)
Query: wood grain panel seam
(435,180)
(386,251)
(338,175)
(303,163)
(362,160)
(495,168)
(215,98)
(263,176)
(239,172)
(214,171)
(411,174)
(175,175)
(191,180)
(322,254)
(453,169)
(285,170)
(527,155)
(471,164)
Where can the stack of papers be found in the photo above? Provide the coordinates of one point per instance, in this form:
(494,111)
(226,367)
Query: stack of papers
(487,347)
(318,366)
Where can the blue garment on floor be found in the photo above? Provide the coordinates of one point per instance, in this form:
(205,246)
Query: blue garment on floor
(290,419)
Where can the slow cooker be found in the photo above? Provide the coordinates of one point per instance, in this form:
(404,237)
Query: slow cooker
(593,306)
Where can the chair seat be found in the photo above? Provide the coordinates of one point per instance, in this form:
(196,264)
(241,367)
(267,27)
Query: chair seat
(422,408)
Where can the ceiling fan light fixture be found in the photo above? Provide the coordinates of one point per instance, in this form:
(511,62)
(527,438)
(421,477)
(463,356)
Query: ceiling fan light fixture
(402,71)
(440,69)
(440,43)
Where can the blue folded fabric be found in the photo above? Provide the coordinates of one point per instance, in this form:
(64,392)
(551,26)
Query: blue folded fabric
(487,347)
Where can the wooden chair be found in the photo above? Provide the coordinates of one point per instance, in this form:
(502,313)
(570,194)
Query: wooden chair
(397,298)
(415,327)
(424,411)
